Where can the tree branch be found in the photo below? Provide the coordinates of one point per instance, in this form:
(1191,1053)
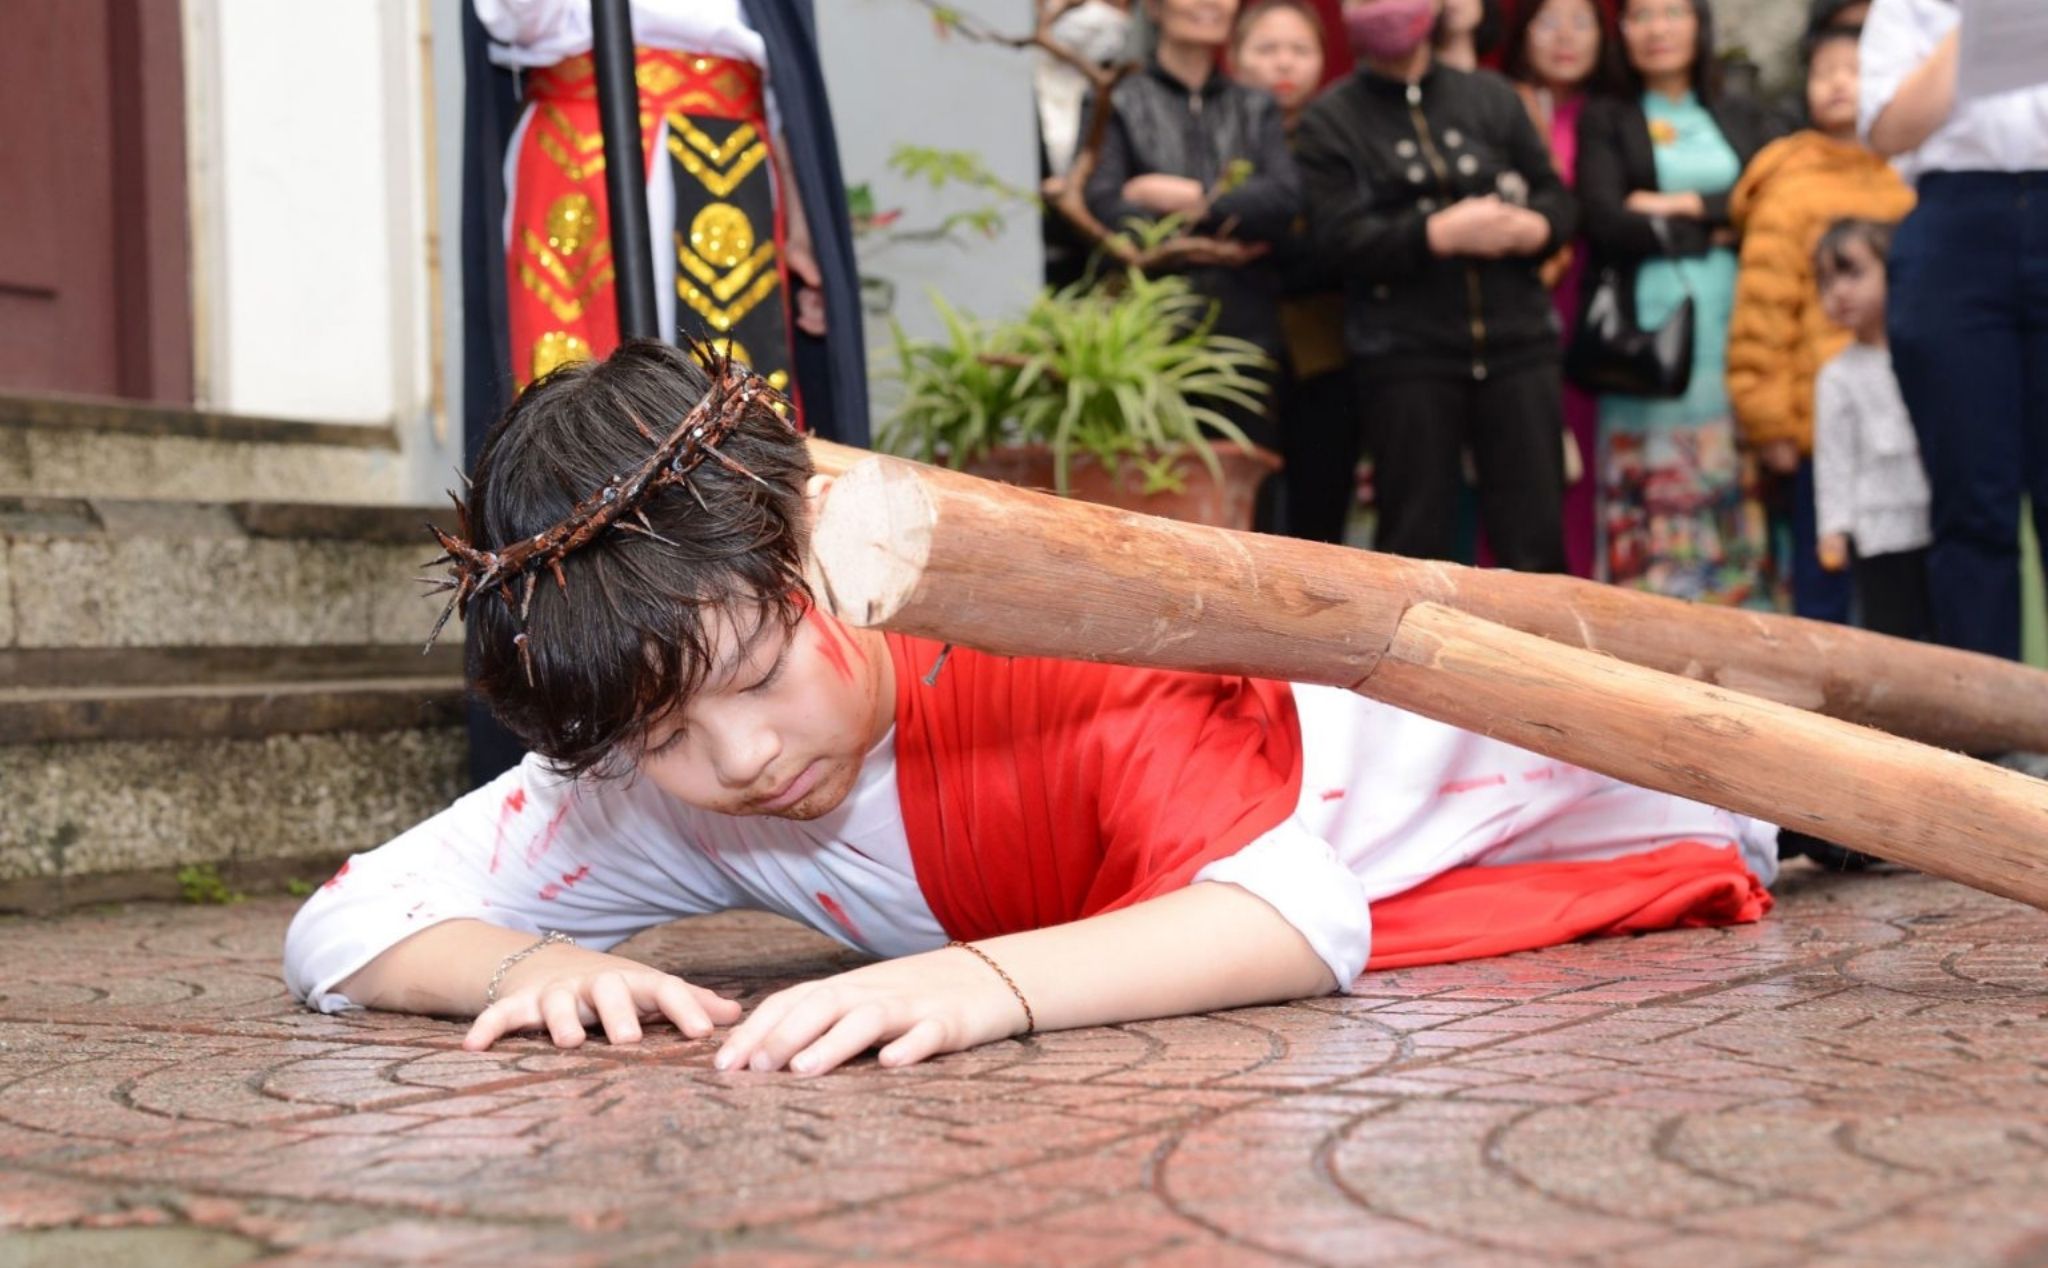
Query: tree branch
(1066,193)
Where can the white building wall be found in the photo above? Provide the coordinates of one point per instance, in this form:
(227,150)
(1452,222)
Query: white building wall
(312,216)
(895,81)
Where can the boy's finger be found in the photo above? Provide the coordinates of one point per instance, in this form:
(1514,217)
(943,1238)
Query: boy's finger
(854,1034)
(681,1007)
(920,1042)
(558,1009)
(739,1049)
(501,1019)
(615,1009)
(721,1011)
(809,1018)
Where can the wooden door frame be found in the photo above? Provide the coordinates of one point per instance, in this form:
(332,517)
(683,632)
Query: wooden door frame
(152,211)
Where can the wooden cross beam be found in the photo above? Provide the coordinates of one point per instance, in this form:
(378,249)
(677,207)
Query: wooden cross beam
(1755,713)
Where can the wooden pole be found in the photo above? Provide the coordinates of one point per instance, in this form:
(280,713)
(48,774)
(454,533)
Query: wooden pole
(1941,812)
(949,556)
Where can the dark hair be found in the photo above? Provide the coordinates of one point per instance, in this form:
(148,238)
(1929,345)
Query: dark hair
(1260,8)
(1822,36)
(629,638)
(1514,58)
(1485,36)
(1619,77)
(1828,253)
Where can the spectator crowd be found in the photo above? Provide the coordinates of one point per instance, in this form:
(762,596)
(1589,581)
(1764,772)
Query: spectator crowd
(1586,308)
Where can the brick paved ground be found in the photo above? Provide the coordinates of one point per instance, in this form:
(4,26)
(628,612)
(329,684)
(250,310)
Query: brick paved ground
(1858,1080)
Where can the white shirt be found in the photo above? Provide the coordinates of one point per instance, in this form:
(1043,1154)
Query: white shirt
(1867,480)
(543,32)
(1388,800)
(2005,133)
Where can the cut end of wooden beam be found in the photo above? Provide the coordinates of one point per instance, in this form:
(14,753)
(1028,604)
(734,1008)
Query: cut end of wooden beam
(833,459)
(872,541)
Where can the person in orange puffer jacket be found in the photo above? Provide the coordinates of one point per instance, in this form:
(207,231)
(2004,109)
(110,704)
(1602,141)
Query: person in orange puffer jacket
(1778,337)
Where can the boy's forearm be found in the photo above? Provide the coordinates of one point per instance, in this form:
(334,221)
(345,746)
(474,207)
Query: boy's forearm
(442,970)
(1206,947)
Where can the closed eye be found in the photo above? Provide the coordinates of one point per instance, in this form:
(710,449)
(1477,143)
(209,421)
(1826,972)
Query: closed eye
(774,672)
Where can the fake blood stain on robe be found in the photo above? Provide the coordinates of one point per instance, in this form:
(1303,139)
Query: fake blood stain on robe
(544,840)
(553,889)
(1456,786)
(838,914)
(515,801)
(335,880)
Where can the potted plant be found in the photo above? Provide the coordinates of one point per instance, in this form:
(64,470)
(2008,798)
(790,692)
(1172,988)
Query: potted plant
(1113,392)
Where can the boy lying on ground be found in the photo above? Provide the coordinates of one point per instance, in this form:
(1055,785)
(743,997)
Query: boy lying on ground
(1027,844)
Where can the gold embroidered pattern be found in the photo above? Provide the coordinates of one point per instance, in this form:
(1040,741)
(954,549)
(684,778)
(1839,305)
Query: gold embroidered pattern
(722,317)
(556,349)
(571,289)
(572,222)
(722,235)
(720,168)
(579,154)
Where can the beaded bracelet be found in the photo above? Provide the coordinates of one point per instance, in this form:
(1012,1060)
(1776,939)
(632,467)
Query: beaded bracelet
(1030,1020)
(548,939)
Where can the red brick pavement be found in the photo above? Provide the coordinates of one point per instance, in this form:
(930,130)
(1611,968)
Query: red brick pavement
(1860,1079)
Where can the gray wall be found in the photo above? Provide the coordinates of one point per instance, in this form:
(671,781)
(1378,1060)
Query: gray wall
(893,82)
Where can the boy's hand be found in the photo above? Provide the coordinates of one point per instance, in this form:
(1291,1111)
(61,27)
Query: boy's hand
(1834,551)
(917,1007)
(567,989)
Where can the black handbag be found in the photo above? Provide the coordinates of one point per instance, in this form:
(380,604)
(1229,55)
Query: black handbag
(1612,353)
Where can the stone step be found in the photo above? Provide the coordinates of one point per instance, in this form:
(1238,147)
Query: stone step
(258,766)
(102,572)
(59,446)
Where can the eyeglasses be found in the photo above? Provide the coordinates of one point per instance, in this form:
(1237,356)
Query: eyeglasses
(1670,14)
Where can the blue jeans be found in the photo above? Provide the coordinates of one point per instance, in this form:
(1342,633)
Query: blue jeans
(1968,323)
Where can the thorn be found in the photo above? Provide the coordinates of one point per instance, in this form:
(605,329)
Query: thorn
(439,625)
(732,466)
(640,426)
(691,486)
(561,580)
(526,599)
(524,645)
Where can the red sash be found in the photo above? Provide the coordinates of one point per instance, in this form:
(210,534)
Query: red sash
(1036,792)
(559,261)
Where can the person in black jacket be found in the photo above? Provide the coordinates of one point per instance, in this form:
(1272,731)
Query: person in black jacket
(1432,196)
(1659,153)
(1179,125)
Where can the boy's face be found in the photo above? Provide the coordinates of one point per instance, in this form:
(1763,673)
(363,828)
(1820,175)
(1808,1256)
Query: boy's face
(1852,290)
(1831,87)
(781,726)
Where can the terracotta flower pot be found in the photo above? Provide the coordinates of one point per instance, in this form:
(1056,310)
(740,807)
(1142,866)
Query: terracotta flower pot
(1201,499)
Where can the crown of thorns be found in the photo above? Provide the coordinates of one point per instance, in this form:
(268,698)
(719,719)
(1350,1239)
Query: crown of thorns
(472,571)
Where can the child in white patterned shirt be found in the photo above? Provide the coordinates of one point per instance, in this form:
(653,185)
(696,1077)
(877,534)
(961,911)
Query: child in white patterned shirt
(1870,494)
